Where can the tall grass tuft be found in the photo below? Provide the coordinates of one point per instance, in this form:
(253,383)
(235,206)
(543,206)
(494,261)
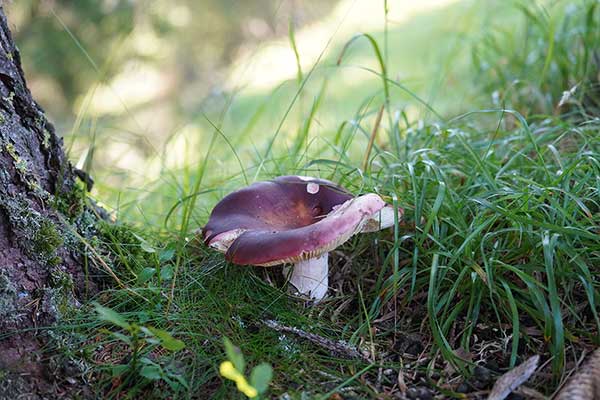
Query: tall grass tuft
(550,64)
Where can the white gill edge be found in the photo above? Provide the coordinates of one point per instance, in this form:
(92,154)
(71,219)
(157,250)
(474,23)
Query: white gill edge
(222,241)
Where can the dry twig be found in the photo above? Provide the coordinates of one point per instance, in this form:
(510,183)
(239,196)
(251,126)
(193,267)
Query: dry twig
(338,347)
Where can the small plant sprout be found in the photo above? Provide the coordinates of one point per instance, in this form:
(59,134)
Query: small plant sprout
(233,369)
(142,341)
(296,220)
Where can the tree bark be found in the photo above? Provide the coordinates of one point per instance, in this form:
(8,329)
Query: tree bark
(42,215)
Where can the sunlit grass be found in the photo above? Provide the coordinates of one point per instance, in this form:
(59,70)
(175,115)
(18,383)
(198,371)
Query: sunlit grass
(427,56)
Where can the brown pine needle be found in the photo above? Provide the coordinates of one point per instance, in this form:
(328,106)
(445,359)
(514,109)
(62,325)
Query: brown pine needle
(372,139)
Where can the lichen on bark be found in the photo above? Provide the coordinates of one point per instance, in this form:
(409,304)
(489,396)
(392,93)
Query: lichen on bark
(8,298)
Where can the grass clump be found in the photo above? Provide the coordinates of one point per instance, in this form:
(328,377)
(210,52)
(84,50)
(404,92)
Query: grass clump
(550,65)
(504,228)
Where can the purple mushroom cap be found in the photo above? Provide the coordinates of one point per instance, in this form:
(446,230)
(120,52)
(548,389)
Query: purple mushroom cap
(293,219)
(277,206)
(295,244)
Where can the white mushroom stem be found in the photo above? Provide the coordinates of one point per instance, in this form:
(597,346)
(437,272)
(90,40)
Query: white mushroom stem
(310,277)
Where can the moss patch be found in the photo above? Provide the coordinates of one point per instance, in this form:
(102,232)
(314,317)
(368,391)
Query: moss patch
(70,203)
(46,242)
(37,235)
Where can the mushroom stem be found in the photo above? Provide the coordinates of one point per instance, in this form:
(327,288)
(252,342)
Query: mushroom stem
(310,277)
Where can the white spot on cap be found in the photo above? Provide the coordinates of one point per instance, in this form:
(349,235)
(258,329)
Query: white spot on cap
(312,188)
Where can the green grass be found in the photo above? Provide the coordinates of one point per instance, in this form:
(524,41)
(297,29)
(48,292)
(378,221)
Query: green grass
(533,79)
(497,258)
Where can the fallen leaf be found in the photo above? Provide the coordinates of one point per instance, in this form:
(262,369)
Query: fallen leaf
(513,378)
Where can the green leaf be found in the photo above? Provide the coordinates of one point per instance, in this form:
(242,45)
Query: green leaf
(151,371)
(121,337)
(166,273)
(166,255)
(119,369)
(143,317)
(549,244)
(166,340)
(261,376)
(147,248)
(147,361)
(109,315)
(144,244)
(146,274)
(180,379)
(150,337)
(175,386)
(515,323)
(234,355)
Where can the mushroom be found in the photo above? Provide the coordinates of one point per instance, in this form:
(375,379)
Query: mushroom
(293,219)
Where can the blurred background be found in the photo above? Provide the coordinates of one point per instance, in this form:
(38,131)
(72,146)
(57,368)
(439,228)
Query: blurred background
(157,98)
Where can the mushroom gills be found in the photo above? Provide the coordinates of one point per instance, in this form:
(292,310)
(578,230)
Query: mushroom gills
(310,277)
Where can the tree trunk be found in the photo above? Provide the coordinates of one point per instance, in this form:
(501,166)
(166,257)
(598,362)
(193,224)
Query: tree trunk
(42,216)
